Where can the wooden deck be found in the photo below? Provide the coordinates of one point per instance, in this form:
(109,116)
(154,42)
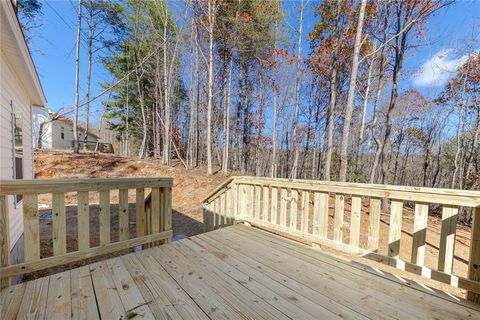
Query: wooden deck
(234,272)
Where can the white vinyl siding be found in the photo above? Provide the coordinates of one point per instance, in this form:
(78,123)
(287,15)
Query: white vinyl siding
(11,89)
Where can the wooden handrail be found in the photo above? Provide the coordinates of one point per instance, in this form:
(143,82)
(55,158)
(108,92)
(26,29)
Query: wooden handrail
(153,218)
(8,187)
(288,205)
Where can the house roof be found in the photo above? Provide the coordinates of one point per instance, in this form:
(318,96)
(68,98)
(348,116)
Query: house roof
(15,49)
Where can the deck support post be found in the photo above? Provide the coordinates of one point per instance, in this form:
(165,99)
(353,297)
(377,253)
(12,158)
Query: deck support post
(4,239)
(474,258)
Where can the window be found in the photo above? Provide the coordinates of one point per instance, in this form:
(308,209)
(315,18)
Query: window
(62,134)
(18,149)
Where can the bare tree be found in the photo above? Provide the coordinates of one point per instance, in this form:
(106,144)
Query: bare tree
(351,95)
(77,71)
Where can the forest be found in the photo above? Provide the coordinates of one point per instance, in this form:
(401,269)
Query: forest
(226,84)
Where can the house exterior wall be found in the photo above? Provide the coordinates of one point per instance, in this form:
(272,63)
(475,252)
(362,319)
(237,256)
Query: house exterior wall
(66,143)
(13,96)
(40,115)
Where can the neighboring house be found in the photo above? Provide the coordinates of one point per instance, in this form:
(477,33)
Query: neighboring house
(20,90)
(58,133)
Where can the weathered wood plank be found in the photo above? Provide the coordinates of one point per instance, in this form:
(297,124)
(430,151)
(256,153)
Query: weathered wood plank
(124,226)
(447,238)
(84,304)
(83,219)
(374,224)
(338,217)
(4,238)
(34,301)
(419,233)
(109,303)
(130,296)
(395,232)
(59,297)
(104,217)
(10,300)
(355,219)
(31,232)
(59,224)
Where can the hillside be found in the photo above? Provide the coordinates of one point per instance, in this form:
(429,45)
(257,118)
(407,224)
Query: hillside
(189,187)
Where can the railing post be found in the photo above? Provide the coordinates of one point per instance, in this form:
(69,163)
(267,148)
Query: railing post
(474,259)
(167,210)
(4,239)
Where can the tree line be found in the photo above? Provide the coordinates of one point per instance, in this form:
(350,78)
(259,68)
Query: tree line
(243,87)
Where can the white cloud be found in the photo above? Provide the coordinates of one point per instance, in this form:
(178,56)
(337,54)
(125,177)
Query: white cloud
(440,68)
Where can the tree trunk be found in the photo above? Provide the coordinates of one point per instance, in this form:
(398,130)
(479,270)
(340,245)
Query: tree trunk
(89,77)
(166,96)
(211,19)
(226,123)
(295,138)
(333,99)
(77,72)
(351,94)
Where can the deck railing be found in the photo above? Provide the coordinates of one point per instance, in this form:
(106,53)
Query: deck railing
(153,219)
(301,208)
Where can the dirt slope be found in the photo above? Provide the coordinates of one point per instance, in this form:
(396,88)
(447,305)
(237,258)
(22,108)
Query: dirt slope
(189,187)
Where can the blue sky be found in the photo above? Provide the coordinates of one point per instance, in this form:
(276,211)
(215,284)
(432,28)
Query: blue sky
(53,49)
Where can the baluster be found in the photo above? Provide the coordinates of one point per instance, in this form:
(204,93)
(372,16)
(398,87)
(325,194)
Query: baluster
(293,209)
(59,224)
(355,219)
(374,224)
(304,210)
(419,233)
(249,201)
(167,211)
(266,200)
(104,217)
(258,194)
(222,209)
(140,212)
(274,207)
(283,207)
(474,257)
(228,206)
(216,210)
(395,232)
(83,220)
(4,238)
(338,218)
(447,238)
(235,202)
(31,229)
(123,226)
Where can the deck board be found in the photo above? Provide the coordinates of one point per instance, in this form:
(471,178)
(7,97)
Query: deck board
(237,272)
